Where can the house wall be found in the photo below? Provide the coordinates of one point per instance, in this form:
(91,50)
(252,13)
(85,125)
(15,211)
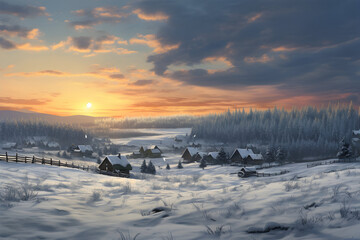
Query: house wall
(236,157)
(106,166)
(186,156)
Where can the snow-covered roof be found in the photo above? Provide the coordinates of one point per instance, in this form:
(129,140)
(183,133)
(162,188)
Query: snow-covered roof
(202,154)
(136,152)
(116,159)
(256,156)
(9,145)
(356,132)
(192,150)
(155,150)
(53,144)
(244,152)
(84,148)
(213,154)
(355,139)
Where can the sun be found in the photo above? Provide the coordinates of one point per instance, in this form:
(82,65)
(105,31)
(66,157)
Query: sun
(88,105)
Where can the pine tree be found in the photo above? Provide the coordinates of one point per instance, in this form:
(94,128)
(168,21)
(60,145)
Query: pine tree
(345,151)
(221,157)
(280,155)
(179,166)
(167,167)
(203,163)
(143,167)
(270,154)
(151,168)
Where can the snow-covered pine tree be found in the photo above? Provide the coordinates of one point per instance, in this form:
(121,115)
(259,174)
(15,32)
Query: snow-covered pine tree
(280,155)
(151,168)
(143,167)
(167,167)
(221,157)
(179,166)
(345,151)
(203,163)
(270,154)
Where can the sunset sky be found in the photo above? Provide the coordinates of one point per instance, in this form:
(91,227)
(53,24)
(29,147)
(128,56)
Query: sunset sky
(167,57)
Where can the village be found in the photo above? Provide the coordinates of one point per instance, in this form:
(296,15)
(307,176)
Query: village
(179,151)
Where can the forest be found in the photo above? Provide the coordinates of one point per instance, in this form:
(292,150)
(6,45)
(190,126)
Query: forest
(302,133)
(64,134)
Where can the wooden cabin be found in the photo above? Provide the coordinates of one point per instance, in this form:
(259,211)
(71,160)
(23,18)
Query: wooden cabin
(153,153)
(254,159)
(246,156)
(211,157)
(116,163)
(240,154)
(188,154)
(81,150)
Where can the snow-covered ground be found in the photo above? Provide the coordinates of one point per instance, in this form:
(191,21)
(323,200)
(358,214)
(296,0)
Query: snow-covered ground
(322,202)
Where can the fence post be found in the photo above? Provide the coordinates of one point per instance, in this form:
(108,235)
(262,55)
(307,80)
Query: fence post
(25,160)
(72,164)
(16,157)
(50,161)
(66,164)
(43,160)
(59,163)
(7,157)
(33,159)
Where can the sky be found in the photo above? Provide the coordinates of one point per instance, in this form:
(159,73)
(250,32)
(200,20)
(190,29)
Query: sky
(174,57)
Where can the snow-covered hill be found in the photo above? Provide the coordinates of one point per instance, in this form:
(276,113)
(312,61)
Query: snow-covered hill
(58,203)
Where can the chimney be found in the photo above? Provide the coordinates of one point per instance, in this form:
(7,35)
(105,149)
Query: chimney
(119,155)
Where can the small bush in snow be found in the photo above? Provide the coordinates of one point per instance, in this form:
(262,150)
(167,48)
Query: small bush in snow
(127,236)
(14,193)
(167,167)
(215,232)
(290,185)
(95,197)
(180,166)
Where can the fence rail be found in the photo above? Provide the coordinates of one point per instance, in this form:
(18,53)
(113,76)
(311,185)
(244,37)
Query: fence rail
(46,161)
(310,165)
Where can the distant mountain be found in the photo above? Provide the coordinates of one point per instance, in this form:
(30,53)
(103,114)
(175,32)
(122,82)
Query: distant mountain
(7,115)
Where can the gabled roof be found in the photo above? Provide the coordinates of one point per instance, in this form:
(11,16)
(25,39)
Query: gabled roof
(84,148)
(202,154)
(155,151)
(356,132)
(115,159)
(256,156)
(192,150)
(243,152)
(213,154)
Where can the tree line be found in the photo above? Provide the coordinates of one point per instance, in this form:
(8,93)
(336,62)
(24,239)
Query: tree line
(299,133)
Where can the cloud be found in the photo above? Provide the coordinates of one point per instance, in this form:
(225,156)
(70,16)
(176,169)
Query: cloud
(142,82)
(151,41)
(16,30)
(30,47)
(266,43)
(22,10)
(97,16)
(112,74)
(9,100)
(6,44)
(92,45)
(157,16)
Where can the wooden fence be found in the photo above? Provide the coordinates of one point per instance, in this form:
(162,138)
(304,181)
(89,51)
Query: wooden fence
(48,161)
(271,174)
(310,165)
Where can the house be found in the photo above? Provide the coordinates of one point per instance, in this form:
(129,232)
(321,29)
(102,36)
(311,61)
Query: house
(136,154)
(81,150)
(53,145)
(189,153)
(246,156)
(116,163)
(198,156)
(153,153)
(9,145)
(254,159)
(211,157)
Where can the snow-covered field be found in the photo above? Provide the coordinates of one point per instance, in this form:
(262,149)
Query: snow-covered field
(59,203)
